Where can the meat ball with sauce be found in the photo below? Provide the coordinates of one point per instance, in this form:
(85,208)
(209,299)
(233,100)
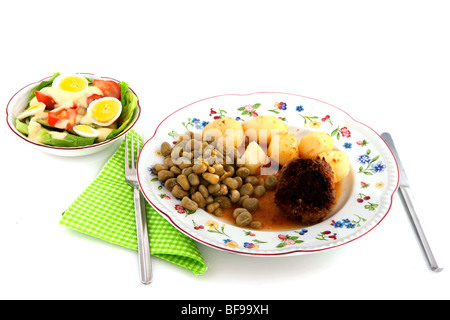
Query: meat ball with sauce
(306,190)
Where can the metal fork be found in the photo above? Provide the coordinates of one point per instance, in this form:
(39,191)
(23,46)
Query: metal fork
(145,267)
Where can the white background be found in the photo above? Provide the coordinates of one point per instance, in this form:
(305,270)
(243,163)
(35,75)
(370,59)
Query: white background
(387,63)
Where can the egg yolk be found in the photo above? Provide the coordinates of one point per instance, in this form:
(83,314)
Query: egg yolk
(36,106)
(72,84)
(105,110)
(85,129)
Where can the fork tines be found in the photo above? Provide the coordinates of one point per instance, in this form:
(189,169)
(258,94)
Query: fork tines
(130,148)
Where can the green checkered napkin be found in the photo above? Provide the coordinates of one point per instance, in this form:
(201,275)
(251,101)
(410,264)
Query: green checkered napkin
(106,210)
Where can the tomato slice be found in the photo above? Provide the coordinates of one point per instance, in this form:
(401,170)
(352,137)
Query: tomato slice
(93,97)
(63,118)
(45,99)
(108,87)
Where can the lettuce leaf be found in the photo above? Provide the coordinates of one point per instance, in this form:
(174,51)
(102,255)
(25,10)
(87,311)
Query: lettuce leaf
(123,90)
(21,127)
(70,140)
(129,107)
(43,84)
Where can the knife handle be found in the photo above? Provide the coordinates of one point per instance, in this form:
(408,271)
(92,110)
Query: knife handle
(405,191)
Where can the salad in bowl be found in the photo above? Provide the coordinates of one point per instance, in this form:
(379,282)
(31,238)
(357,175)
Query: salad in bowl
(73,111)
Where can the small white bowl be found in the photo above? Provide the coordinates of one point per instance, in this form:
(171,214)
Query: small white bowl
(19,102)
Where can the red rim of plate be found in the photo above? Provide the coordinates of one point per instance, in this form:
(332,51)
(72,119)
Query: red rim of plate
(70,148)
(167,216)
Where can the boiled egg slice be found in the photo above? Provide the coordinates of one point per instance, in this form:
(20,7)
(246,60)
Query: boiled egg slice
(104,111)
(31,111)
(86,131)
(70,82)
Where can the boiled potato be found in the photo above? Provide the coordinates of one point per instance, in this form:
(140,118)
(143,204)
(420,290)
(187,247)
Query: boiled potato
(254,157)
(260,128)
(226,131)
(339,162)
(283,147)
(314,143)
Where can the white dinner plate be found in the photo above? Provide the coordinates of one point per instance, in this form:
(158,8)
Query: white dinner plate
(367,191)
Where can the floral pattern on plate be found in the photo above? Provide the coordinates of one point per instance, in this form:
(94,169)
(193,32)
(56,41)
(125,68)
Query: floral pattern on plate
(367,190)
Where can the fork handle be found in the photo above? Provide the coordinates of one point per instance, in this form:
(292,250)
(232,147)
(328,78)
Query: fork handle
(145,267)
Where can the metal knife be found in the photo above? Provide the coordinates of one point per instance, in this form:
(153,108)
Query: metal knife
(405,192)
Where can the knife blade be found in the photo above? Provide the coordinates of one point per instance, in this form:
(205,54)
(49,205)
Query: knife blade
(405,192)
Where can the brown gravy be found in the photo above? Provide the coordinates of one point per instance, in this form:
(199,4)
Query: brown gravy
(270,215)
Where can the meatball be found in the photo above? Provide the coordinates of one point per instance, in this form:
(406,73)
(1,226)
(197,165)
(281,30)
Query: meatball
(306,190)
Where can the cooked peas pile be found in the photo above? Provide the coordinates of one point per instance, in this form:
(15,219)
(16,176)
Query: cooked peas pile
(205,176)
